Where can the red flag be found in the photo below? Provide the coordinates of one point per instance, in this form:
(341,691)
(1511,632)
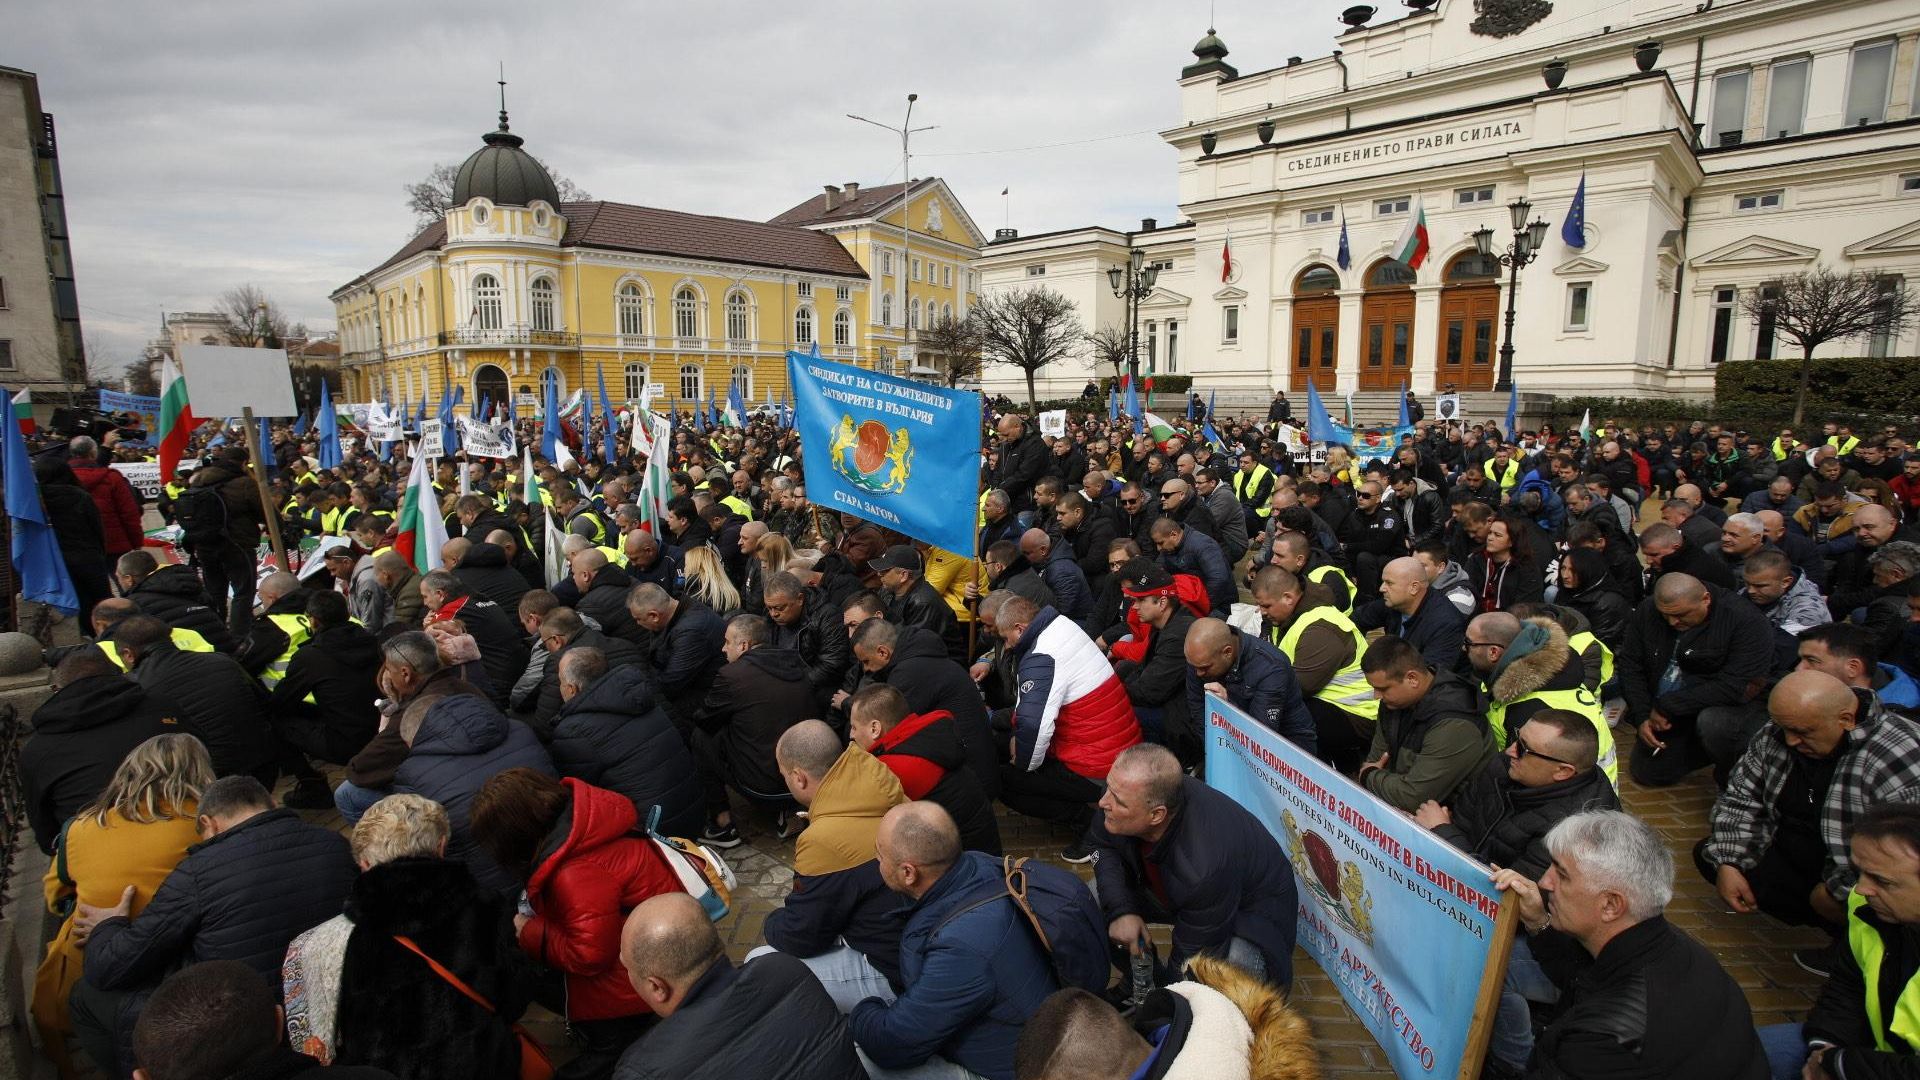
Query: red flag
(1226,259)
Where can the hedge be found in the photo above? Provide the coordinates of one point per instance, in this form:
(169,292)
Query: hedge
(1850,384)
(1162,384)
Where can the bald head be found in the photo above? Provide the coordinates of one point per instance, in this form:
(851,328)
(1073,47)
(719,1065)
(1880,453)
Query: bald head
(276,585)
(1677,589)
(917,843)
(1405,569)
(589,561)
(1813,712)
(454,550)
(504,540)
(1034,545)
(1494,628)
(1211,633)
(666,945)
(809,746)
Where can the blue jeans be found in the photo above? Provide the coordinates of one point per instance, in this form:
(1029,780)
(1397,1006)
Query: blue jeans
(1513,1023)
(353,802)
(848,975)
(1786,1047)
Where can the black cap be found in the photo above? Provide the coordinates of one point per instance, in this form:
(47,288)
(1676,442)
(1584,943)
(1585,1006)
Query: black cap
(1144,577)
(897,557)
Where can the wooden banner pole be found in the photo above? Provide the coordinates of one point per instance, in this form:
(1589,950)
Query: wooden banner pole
(1486,1004)
(267,509)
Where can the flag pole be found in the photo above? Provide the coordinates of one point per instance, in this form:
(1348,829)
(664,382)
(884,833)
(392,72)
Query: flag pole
(260,483)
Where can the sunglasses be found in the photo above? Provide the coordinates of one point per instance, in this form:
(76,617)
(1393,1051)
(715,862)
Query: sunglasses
(1129,502)
(1521,750)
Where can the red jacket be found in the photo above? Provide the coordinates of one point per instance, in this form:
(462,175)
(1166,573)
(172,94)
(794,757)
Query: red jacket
(119,507)
(590,872)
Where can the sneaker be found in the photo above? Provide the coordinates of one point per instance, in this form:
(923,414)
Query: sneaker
(311,793)
(1078,852)
(789,823)
(1818,961)
(720,836)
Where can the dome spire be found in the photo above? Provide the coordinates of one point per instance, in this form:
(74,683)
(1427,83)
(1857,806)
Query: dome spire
(503,94)
(501,171)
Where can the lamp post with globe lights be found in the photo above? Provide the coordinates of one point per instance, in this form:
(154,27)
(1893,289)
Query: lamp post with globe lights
(1133,283)
(1527,239)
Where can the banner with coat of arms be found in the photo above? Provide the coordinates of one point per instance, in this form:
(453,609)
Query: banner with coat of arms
(902,454)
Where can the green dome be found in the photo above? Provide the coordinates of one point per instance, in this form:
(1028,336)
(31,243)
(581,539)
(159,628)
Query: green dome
(503,173)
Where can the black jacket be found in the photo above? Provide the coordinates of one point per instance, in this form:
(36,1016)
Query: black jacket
(1654,1004)
(1600,600)
(1159,680)
(924,608)
(242,895)
(240,497)
(852,904)
(338,668)
(1426,515)
(1436,628)
(1723,661)
(605,599)
(1020,466)
(925,754)
(174,595)
(1433,748)
(219,703)
(1224,877)
(1090,542)
(72,513)
(683,657)
(931,681)
(484,570)
(503,648)
(546,703)
(265,641)
(1499,822)
(396,1012)
(613,736)
(769,1019)
(1520,581)
(752,702)
(1688,559)
(284,1063)
(80,736)
(821,640)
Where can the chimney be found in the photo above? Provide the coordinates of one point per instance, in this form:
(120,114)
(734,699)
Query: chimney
(833,196)
(1147,224)
(1005,234)
(853,190)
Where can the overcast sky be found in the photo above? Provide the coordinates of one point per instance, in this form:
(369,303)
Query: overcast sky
(206,145)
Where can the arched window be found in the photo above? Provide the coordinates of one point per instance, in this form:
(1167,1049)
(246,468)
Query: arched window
(633,310)
(1316,279)
(803,326)
(558,381)
(686,313)
(1472,266)
(636,381)
(541,294)
(946,312)
(486,302)
(742,377)
(690,382)
(737,318)
(913,314)
(886,309)
(1390,274)
(843,327)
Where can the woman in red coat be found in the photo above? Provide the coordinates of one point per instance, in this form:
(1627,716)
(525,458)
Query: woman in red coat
(585,867)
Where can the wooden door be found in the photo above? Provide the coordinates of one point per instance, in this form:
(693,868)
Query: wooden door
(1386,339)
(1316,339)
(1469,331)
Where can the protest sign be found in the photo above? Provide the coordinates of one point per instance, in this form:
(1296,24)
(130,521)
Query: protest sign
(487,440)
(1053,423)
(431,443)
(384,424)
(898,453)
(115,401)
(143,475)
(1406,926)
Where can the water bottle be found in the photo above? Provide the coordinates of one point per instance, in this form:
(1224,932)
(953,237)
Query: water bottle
(1142,964)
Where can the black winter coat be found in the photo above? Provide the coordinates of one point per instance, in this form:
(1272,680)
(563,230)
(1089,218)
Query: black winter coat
(242,895)
(1019,467)
(241,498)
(72,513)
(613,736)
(503,648)
(1501,823)
(1723,661)
(484,570)
(80,736)
(619,654)
(852,904)
(924,608)
(395,1011)
(338,668)
(930,681)
(769,1019)
(174,595)
(753,701)
(1688,559)
(682,659)
(605,599)
(1436,628)
(219,703)
(821,640)
(1159,680)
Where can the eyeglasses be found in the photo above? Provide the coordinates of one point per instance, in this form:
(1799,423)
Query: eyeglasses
(1169,494)
(1521,750)
(1129,502)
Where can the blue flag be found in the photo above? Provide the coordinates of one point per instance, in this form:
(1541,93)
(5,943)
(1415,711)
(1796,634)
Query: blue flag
(1513,410)
(737,403)
(300,424)
(329,427)
(1320,425)
(713,409)
(1404,420)
(895,452)
(508,402)
(1206,425)
(266,444)
(1345,257)
(1574,229)
(36,549)
(1133,406)
(550,423)
(586,425)
(1189,406)
(486,403)
(609,444)
(449,431)
(1113,404)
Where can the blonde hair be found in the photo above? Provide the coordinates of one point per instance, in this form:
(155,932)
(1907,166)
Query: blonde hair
(707,581)
(399,826)
(159,780)
(774,553)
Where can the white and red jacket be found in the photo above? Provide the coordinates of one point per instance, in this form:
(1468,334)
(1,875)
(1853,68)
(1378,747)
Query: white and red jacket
(1070,705)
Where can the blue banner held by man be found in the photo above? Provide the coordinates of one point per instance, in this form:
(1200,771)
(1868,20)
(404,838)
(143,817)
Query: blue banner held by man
(898,453)
(37,562)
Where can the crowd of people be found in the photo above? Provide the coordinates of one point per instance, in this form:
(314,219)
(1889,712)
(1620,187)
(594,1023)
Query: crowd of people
(539,763)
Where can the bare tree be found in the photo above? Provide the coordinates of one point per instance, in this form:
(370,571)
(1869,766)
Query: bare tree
(1816,306)
(1029,329)
(432,197)
(952,347)
(252,320)
(1112,345)
(137,378)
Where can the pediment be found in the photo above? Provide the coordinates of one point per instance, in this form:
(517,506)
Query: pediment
(1165,298)
(1757,250)
(1230,294)
(1900,240)
(1580,266)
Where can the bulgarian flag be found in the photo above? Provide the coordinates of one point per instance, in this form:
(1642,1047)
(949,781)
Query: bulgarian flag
(23,411)
(176,418)
(1586,426)
(1413,245)
(656,484)
(1159,430)
(422,529)
(1226,259)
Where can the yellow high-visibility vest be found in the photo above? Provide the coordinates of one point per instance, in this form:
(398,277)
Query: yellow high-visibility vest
(1348,688)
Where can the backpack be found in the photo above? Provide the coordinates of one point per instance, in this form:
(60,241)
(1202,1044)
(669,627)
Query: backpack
(201,514)
(703,874)
(1064,916)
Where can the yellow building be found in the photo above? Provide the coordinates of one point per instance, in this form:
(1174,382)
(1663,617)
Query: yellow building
(512,288)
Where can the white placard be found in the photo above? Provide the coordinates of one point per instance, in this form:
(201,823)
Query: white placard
(1446,407)
(1053,423)
(226,381)
(143,475)
(431,442)
(383,423)
(487,440)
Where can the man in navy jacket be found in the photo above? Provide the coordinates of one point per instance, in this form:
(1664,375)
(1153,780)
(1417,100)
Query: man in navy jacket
(1253,675)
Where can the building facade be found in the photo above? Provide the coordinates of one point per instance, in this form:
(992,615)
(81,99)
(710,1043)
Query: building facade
(41,345)
(1721,145)
(513,289)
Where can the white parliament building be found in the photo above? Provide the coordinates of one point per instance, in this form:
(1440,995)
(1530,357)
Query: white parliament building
(1724,144)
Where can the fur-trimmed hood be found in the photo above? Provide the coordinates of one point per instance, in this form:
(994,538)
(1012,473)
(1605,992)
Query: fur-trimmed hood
(1265,1041)
(1522,670)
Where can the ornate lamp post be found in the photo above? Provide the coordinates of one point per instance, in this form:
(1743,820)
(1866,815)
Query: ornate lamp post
(1527,238)
(1133,283)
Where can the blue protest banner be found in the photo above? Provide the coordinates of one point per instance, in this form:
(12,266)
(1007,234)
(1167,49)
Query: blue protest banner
(901,454)
(115,401)
(1408,928)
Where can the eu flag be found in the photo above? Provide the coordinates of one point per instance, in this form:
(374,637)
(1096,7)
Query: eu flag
(1345,258)
(36,550)
(1574,229)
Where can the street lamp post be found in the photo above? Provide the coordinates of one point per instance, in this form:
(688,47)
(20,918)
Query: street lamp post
(1133,283)
(906,131)
(1527,238)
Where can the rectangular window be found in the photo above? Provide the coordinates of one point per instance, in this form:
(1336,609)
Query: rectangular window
(916,269)
(1456,342)
(1763,332)
(1161,264)
(1303,352)
(3,294)
(1230,325)
(1787,98)
(842,293)
(1326,347)
(1037,271)
(6,355)
(1400,334)
(1483,342)
(1322,215)
(1579,299)
(1910,183)
(1757,200)
(1729,109)
(1721,321)
(1881,342)
(806,289)
(1390,207)
(946,277)
(1376,345)
(1867,83)
(1173,345)
(1473,196)
(1153,343)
